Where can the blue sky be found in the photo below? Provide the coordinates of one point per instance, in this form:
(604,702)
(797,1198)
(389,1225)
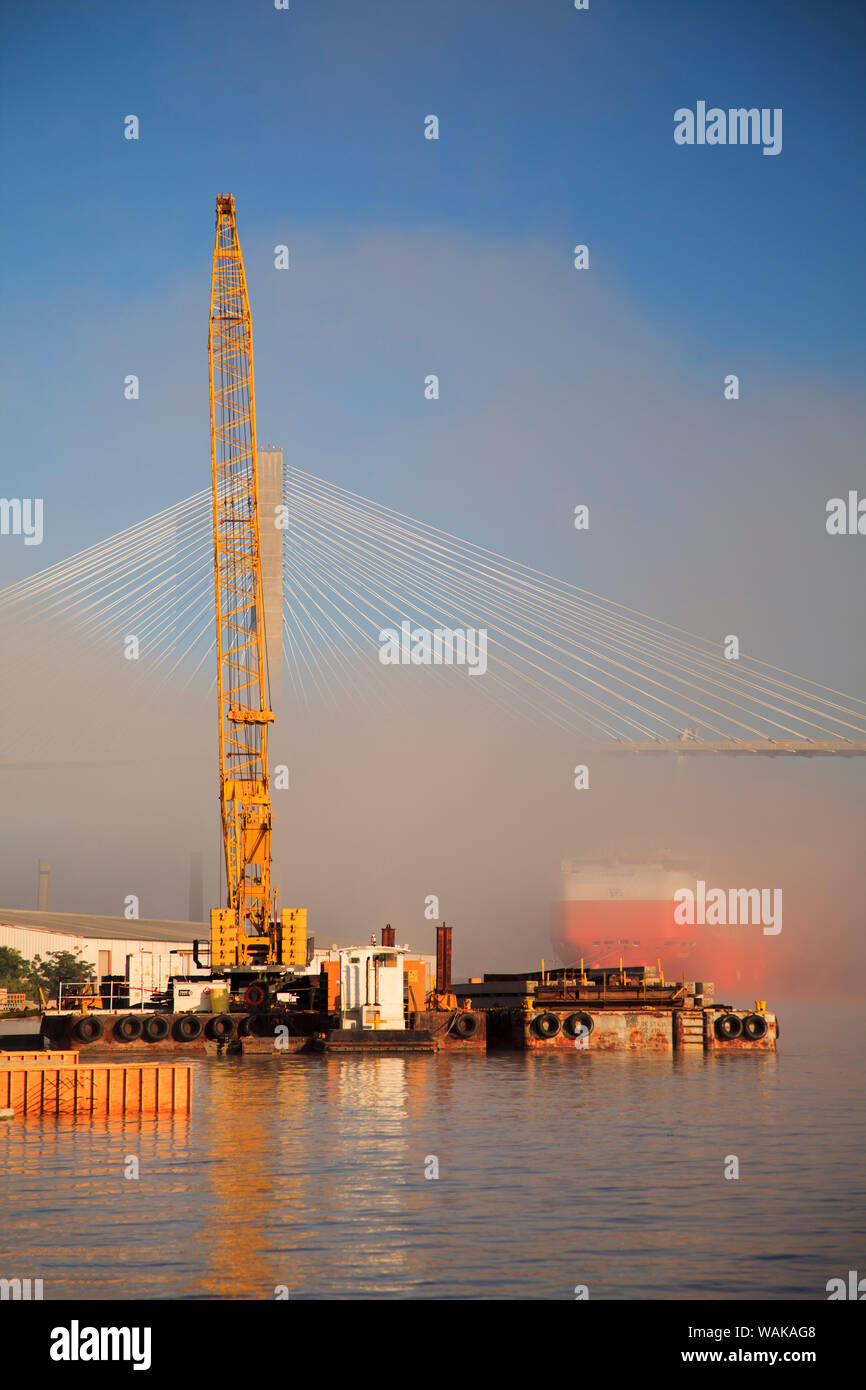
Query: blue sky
(554,123)
(412,256)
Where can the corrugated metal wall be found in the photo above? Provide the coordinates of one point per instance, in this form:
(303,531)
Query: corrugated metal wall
(150,965)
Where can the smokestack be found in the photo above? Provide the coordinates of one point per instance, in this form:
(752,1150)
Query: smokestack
(388,935)
(42,892)
(443,959)
(196,887)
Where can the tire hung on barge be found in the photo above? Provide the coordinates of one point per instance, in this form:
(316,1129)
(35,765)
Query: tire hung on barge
(728,1026)
(465,1025)
(545,1025)
(755,1027)
(187,1028)
(220,1026)
(156,1028)
(578,1025)
(127,1028)
(88,1030)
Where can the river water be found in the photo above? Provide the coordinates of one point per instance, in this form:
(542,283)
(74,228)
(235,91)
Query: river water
(308,1175)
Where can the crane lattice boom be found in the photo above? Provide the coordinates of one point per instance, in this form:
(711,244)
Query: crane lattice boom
(242,932)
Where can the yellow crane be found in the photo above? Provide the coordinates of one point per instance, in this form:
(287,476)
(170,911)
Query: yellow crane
(248,931)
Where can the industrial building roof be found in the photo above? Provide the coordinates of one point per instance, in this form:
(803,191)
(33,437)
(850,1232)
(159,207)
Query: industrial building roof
(111,928)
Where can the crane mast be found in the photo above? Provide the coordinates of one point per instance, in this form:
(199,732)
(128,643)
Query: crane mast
(245,931)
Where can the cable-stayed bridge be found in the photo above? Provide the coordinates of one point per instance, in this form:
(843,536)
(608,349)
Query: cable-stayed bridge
(349,568)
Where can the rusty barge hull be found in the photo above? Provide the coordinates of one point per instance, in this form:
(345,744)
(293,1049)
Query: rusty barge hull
(378,1040)
(573,1025)
(629,1008)
(62,1031)
(562,1028)
(210,1034)
(260,1032)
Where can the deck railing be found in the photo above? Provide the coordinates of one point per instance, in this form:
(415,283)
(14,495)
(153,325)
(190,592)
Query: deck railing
(103,994)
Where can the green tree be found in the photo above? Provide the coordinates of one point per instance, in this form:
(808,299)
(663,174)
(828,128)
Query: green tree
(59,965)
(13,970)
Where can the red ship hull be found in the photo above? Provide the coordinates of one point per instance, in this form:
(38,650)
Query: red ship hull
(625,912)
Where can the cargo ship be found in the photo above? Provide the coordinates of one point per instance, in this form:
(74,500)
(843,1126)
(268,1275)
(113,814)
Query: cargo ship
(617,907)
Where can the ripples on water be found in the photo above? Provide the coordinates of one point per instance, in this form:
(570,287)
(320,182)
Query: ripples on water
(556,1170)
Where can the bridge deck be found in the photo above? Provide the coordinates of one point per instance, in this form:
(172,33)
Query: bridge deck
(768,748)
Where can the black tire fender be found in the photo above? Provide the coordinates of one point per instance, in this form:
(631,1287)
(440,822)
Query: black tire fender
(578,1025)
(127,1028)
(220,1026)
(728,1026)
(755,1027)
(466,1025)
(187,1028)
(88,1030)
(156,1028)
(545,1025)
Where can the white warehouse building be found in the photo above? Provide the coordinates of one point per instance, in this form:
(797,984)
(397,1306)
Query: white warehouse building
(144,952)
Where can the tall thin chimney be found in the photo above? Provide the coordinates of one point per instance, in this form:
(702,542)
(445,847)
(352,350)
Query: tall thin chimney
(196,887)
(42,892)
(443,959)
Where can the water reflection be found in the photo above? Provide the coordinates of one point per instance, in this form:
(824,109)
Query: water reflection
(553,1170)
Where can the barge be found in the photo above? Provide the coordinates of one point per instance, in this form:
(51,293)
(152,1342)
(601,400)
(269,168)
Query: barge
(375,999)
(624,1008)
